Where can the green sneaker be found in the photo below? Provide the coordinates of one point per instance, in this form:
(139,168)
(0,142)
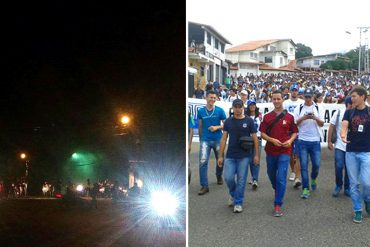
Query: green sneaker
(305,193)
(313,184)
(358,217)
(367,206)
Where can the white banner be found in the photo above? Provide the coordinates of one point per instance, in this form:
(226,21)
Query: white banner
(195,104)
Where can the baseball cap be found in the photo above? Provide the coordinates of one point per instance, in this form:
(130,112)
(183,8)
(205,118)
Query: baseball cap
(328,94)
(237,102)
(294,87)
(308,92)
(244,92)
(348,100)
(251,101)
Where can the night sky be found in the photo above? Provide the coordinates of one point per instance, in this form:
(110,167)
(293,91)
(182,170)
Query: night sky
(68,71)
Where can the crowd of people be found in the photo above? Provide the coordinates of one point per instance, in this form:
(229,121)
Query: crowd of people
(292,131)
(327,88)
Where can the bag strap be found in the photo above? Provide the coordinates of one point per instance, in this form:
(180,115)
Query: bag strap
(269,128)
(336,122)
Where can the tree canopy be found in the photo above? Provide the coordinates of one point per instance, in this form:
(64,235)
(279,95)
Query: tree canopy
(302,51)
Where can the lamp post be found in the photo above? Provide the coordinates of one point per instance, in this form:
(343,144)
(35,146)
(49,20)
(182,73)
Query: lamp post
(23,156)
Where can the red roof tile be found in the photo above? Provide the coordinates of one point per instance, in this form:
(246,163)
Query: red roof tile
(252,45)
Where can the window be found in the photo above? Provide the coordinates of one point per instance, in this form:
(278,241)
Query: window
(291,50)
(316,62)
(208,38)
(201,71)
(272,48)
(322,61)
(253,55)
(216,43)
(268,59)
(222,47)
(281,60)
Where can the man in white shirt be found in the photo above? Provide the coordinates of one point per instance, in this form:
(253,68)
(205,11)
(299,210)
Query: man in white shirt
(289,105)
(340,150)
(309,119)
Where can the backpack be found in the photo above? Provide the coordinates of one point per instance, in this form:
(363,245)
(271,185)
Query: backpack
(301,106)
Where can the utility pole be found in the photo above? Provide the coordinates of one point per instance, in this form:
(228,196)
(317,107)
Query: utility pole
(366,54)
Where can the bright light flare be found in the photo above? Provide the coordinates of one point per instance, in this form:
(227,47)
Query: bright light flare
(23,155)
(140,183)
(125,120)
(80,187)
(164,203)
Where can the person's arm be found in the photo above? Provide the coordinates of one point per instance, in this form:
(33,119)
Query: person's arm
(256,159)
(330,134)
(289,142)
(200,125)
(220,160)
(343,131)
(274,141)
(191,133)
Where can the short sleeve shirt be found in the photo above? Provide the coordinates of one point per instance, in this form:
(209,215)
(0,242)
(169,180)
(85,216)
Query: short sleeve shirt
(237,128)
(211,118)
(358,130)
(282,131)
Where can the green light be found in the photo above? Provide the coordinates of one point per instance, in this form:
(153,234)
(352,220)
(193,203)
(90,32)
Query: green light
(74,156)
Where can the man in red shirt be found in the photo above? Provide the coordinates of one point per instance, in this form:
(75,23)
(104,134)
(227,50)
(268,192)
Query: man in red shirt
(279,137)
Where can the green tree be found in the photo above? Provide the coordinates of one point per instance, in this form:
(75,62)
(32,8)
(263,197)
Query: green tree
(302,51)
(338,64)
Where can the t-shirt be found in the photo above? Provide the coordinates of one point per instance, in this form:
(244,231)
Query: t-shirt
(211,118)
(358,130)
(309,130)
(290,105)
(281,130)
(339,144)
(237,128)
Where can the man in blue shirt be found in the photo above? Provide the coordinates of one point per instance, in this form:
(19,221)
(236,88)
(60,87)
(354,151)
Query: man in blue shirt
(355,132)
(210,120)
(237,158)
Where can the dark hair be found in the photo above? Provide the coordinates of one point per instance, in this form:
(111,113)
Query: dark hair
(359,90)
(278,92)
(210,92)
(256,113)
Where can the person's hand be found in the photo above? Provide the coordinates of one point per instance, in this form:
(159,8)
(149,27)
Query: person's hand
(287,144)
(344,139)
(276,142)
(330,146)
(212,128)
(220,162)
(256,160)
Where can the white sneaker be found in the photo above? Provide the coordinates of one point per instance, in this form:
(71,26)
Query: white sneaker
(297,183)
(230,202)
(238,208)
(292,176)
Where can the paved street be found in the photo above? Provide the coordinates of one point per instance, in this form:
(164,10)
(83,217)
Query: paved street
(319,221)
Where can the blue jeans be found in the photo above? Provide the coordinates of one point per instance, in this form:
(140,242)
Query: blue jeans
(358,168)
(204,153)
(340,165)
(277,169)
(238,167)
(314,150)
(255,170)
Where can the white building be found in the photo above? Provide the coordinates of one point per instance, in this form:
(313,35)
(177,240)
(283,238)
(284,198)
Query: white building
(274,54)
(206,54)
(314,62)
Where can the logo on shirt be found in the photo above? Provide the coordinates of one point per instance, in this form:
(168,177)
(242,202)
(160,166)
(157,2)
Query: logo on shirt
(284,122)
(244,125)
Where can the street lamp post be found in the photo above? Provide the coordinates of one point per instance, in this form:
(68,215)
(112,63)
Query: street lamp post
(24,157)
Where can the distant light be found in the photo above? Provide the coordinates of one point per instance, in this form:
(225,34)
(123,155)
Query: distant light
(74,156)
(125,120)
(23,155)
(80,187)
(139,183)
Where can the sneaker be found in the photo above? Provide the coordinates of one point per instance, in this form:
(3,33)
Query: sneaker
(219,180)
(367,207)
(277,211)
(297,183)
(358,217)
(336,191)
(230,202)
(347,192)
(313,184)
(203,190)
(292,176)
(238,208)
(305,193)
(254,184)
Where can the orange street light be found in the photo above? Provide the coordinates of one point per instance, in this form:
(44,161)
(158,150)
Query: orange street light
(23,156)
(125,120)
